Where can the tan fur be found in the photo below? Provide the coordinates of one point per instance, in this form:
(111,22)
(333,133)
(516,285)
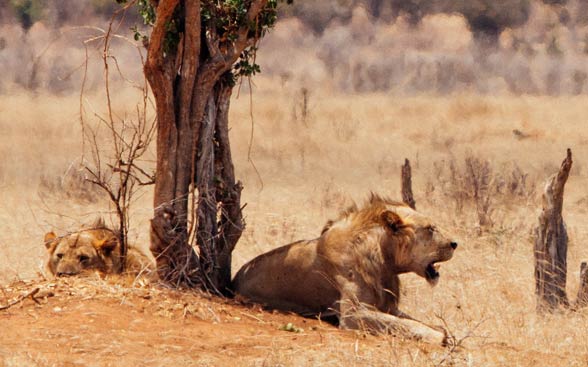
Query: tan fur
(94,247)
(352,269)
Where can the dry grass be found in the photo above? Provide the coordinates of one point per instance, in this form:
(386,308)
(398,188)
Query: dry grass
(347,146)
(357,143)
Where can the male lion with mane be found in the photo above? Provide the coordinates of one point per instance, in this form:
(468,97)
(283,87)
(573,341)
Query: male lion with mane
(352,269)
(94,247)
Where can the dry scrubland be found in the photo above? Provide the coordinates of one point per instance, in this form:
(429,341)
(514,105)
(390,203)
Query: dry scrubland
(314,150)
(312,164)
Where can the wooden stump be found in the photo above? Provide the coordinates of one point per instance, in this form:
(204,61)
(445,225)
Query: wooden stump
(406,185)
(551,243)
(582,300)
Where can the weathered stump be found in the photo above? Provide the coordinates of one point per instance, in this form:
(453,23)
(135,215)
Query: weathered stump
(551,243)
(406,185)
(582,299)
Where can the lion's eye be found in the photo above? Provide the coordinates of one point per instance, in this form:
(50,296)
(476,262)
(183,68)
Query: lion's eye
(83,258)
(59,256)
(431,229)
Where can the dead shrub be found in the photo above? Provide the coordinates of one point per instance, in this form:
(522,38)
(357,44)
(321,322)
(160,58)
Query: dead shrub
(478,181)
(477,185)
(301,106)
(345,130)
(511,181)
(334,198)
(72,185)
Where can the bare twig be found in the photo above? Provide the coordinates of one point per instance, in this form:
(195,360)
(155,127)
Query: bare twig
(118,172)
(251,136)
(21,298)
(252,317)
(455,343)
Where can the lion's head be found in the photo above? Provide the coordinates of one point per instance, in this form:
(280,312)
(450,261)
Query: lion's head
(92,248)
(409,240)
(430,244)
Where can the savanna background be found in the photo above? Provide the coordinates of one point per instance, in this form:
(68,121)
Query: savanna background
(482,96)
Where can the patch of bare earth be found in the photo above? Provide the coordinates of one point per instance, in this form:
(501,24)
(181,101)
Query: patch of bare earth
(96,322)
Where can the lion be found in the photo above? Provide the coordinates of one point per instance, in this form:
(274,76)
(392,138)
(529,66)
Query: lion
(94,247)
(351,270)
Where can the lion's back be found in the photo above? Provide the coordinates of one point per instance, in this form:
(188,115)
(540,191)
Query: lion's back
(139,261)
(290,277)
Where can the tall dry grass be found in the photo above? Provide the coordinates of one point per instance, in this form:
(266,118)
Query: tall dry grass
(351,144)
(309,159)
(347,146)
(302,171)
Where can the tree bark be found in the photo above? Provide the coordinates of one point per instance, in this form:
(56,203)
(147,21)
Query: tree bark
(207,204)
(406,185)
(177,263)
(220,222)
(231,222)
(169,237)
(551,243)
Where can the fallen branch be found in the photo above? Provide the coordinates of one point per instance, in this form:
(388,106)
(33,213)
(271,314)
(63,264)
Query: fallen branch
(253,317)
(21,298)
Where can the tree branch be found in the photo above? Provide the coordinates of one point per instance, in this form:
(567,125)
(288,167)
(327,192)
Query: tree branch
(155,56)
(21,298)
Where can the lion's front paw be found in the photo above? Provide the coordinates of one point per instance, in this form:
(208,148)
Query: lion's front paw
(433,336)
(440,336)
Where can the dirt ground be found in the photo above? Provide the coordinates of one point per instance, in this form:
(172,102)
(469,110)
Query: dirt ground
(96,322)
(93,323)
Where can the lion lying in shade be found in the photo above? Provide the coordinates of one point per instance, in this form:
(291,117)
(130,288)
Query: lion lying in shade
(94,247)
(352,269)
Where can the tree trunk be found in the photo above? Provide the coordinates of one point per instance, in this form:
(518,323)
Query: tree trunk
(406,185)
(582,299)
(220,222)
(197,211)
(551,243)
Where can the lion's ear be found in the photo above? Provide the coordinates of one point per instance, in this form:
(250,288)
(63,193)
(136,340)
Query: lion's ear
(49,237)
(106,246)
(327,226)
(98,223)
(393,221)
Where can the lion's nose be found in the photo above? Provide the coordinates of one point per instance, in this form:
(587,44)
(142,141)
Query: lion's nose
(453,245)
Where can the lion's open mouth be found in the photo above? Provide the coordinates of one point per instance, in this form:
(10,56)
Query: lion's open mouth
(432,273)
